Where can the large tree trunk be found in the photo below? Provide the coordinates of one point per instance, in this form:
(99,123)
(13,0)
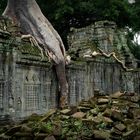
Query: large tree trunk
(27,14)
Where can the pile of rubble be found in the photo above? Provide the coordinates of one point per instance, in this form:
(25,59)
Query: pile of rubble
(113,117)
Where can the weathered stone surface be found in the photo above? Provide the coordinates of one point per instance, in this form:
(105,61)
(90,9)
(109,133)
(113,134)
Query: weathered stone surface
(29,85)
(46,117)
(135,112)
(65,111)
(135,98)
(42,136)
(103,101)
(97,119)
(117,94)
(102,107)
(107,112)
(78,115)
(93,123)
(24,135)
(121,127)
(117,115)
(25,128)
(107,120)
(94,111)
(117,132)
(98,134)
(128,134)
(102,34)
(50,138)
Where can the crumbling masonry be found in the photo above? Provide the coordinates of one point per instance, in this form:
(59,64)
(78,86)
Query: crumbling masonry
(29,85)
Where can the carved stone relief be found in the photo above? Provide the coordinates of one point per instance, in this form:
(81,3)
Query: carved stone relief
(32,91)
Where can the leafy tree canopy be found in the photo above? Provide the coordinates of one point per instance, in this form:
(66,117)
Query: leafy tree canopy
(135,12)
(78,13)
(64,14)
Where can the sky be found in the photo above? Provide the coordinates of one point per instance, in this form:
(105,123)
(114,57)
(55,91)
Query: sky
(131,1)
(137,38)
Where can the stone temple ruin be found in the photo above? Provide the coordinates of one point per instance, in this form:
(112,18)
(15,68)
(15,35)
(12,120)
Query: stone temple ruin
(29,85)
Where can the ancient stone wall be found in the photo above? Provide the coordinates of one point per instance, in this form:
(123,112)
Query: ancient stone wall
(110,73)
(104,35)
(29,85)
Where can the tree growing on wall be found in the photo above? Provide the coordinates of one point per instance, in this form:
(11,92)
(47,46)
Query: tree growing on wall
(27,14)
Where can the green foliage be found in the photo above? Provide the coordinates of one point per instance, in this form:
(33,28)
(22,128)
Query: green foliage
(64,14)
(76,128)
(135,12)
(71,127)
(135,49)
(2,6)
(78,13)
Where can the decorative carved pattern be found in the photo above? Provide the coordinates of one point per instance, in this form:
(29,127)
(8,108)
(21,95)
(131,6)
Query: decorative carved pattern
(44,102)
(1,93)
(11,101)
(19,104)
(32,97)
(32,88)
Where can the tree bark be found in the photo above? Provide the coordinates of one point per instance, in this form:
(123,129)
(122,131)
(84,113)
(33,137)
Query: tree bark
(27,14)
